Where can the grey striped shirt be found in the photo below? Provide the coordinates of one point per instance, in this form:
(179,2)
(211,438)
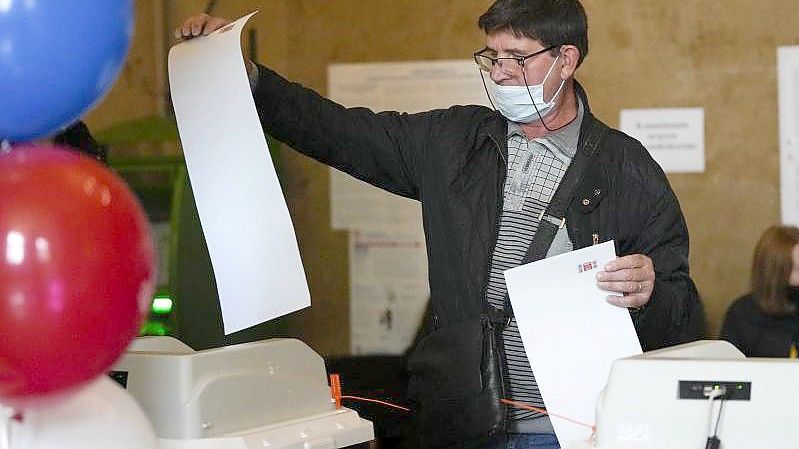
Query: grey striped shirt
(535,169)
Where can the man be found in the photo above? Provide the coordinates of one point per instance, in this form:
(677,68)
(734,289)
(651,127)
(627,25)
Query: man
(537,177)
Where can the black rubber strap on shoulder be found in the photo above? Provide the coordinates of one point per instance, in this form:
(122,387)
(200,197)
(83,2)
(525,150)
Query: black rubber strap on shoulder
(554,216)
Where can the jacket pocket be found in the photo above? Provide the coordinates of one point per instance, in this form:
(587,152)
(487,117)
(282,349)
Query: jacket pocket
(588,200)
(456,381)
(447,363)
(586,215)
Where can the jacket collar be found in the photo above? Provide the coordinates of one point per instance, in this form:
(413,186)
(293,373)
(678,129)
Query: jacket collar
(588,117)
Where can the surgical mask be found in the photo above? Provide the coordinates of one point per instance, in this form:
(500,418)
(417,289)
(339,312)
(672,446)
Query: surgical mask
(523,104)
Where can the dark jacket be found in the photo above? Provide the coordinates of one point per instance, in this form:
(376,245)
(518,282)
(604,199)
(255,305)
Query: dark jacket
(78,137)
(454,162)
(756,334)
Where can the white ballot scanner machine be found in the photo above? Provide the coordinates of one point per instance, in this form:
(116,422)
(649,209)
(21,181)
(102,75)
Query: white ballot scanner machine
(267,394)
(684,396)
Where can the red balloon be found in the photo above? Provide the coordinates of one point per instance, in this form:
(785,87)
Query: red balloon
(76,271)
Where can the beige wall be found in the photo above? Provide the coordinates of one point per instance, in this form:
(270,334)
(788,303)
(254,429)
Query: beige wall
(644,53)
(139,91)
(720,56)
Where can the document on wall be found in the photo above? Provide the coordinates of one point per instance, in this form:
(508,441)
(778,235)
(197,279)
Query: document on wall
(244,217)
(788,74)
(675,137)
(385,275)
(570,333)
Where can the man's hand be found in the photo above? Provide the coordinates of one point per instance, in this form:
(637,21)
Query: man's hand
(634,276)
(199,25)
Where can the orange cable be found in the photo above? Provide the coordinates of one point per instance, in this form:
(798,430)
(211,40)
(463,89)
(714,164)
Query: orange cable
(387,404)
(541,410)
(335,391)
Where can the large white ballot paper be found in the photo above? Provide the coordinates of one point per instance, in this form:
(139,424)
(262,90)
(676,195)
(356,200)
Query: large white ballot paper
(570,333)
(244,216)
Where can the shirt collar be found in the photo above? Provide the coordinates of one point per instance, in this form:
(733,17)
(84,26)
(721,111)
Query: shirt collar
(564,139)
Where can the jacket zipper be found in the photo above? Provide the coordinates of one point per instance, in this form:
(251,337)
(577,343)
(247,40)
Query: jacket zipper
(500,204)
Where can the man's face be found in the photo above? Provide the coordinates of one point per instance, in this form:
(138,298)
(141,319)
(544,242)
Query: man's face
(504,44)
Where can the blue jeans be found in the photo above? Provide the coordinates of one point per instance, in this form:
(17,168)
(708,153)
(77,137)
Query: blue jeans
(526,441)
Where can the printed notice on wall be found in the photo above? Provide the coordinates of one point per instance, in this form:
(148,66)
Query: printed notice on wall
(385,285)
(788,73)
(675,137)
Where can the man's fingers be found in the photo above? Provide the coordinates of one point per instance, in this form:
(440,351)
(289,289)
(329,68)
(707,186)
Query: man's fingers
(214,24)
(629,301)
(633,276)
(635,293)
(624,286)
(184,31)
(200,25)
(628,274)
(632,261)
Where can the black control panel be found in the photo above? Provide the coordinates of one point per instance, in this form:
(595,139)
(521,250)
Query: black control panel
(702,389)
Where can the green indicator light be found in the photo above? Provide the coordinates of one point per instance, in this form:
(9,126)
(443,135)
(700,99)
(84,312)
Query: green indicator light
(162,305)
(154,328)
(740,387)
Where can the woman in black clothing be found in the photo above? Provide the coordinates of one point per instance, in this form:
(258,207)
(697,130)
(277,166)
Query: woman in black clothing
(765,322)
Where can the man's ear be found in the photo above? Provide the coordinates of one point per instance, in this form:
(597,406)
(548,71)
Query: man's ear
(570,55)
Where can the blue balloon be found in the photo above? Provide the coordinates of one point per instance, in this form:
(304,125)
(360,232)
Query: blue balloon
(57,58)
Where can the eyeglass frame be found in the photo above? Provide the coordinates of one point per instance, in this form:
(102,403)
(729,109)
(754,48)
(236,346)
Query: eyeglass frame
(519,60)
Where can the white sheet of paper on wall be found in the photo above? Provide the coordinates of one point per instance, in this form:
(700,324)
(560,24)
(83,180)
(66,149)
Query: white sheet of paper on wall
(675,137)
(788,82)
(250,236)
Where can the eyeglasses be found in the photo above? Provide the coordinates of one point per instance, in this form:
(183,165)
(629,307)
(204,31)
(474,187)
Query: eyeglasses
(486,63)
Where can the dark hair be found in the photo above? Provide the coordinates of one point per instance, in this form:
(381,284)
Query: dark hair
(771,268)
(78,137)
(552,22)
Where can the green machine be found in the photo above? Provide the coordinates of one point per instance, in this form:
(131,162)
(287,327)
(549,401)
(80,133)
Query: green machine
(186,303)
(155,180)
